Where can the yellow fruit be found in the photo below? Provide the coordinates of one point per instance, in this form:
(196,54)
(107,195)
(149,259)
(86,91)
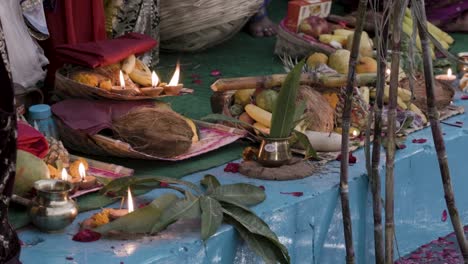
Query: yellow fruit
(261,116)
(316,59)
(243,97)
(366,65)
(342,32)
(414,108)
(328,38)
(339,61)
(196,131)
(261,128)
(129,64)
(141,74)
(365,46)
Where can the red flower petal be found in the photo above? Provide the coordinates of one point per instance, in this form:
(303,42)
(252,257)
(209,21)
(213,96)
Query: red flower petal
(143,204)
(401,146)
(342,23)
(419,140)
(261,187)
(444,216)
(197,81)
(459,122)
(164,184)
(232,167)
(195,76)
(86,235)
(297,194)
(464,97)
(215,73)
(351,159)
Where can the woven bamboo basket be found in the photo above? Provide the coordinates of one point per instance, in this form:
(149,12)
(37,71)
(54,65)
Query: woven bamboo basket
(298,45)
(66,88)
(192,25)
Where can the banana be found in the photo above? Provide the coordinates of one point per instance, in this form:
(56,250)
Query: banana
(128,64)
(418,111)
(141,74)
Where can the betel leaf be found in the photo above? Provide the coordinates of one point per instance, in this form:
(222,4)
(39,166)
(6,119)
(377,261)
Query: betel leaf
(245,194)
(282,120)
(178,210)
(256,225)
(141,220)
(305,143)
(211,216)
(259,244)
(210,183)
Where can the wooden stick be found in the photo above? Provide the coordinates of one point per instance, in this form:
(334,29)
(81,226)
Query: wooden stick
(398,15)
(437,130)
(344,187)
(275,80)
(374,176)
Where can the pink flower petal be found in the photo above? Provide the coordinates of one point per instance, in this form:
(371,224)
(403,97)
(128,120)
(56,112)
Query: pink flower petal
(232,167)
(419,140)
(464,97)
(459,122)
(401,146)
(164,184)
(444,215)
(197,81)
(215,73)
(86,235)
(351,159)
(261,187)
(195,76)
(296,194)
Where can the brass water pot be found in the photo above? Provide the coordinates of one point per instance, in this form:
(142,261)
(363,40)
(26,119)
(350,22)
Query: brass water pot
(274,152)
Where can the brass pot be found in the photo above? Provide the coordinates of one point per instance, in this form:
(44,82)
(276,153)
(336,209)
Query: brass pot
(274,152)
(52,209)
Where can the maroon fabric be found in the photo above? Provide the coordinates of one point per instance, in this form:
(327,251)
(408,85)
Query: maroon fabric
(106,52)
(91,117)
(31,140)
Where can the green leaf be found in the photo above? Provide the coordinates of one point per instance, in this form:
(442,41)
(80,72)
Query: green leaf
(242,193)
(305,143)
(298,112)
(256,225)
(282,121)
(210,183)
(259,244)
(220,117)
(178,210)
(211,216)
(141,220)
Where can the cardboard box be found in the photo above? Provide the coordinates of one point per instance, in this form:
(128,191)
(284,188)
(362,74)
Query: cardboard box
(300,9)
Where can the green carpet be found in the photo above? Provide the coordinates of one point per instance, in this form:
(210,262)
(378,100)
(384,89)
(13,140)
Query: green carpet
(242,55)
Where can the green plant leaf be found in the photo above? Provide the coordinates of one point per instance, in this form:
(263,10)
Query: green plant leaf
(242,193)
(259,244)
(210,183)
(211,216)
(282,120)
(177,210)
(256,225)
(141,220)
(220,117)
(305,143)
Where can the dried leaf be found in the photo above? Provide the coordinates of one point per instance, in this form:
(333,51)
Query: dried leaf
(242,193)
(211,216)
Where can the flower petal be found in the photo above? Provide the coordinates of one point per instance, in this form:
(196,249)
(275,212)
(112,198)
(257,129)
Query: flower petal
(444,215)
(197,81)
(261,187)
(464,97)
(215,73)
(297,194)
(232,167)
(86,235)
(419,140)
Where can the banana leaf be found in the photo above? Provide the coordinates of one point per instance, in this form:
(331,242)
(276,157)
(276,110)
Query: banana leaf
(242,193)
(141,220)
(282,120)
(210,183)
(211,216)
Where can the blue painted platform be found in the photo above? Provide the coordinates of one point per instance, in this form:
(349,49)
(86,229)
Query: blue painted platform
(310,225)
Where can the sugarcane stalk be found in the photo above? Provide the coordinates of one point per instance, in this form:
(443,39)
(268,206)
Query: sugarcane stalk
(377,142)
(437,131)
(398,14)
(344,187)
(275,80)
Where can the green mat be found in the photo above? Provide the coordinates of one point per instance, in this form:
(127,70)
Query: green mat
(243,55)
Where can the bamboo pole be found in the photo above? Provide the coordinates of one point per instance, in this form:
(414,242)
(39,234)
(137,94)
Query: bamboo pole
(397,16)
(344,187)
(270,81)
(437,131)
(377,142)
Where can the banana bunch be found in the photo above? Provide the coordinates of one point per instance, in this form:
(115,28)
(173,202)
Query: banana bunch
(445,39)
(137,70)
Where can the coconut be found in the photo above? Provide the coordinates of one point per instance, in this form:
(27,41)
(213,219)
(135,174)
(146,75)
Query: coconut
(29,169)
(154,131)
(319,115)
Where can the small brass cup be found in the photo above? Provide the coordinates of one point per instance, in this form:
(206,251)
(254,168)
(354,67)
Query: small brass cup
(274,152)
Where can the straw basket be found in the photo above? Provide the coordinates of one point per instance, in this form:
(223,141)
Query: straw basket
(192,25)
(298,45)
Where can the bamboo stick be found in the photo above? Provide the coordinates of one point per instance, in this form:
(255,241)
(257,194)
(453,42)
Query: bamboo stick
(270,81)
(437,131)
(398,14)
(344,187)
(377,142)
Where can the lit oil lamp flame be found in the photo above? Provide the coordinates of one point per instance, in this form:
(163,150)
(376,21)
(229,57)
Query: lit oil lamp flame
(129,201)
(449,73)
(387,71)
(175,78)
(154,79)
(355,133)
(82,171)
(64,175)
(122,80)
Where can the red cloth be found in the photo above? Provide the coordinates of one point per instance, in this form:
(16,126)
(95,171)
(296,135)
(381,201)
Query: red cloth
(105,52)
(72,21)
(31,140)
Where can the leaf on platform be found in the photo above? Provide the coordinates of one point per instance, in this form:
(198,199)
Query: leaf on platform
(305,143)
(242,193)
(141,220)
(211,216)
(178,210)
(210,183)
